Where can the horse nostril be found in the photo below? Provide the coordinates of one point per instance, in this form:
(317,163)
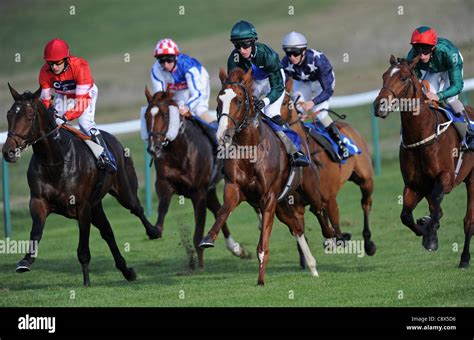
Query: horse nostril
(226,138)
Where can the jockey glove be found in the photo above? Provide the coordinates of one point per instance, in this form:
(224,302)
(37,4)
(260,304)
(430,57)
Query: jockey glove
(60,120)
(259,104)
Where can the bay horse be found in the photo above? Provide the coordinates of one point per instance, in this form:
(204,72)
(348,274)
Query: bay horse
(357,169)
(259,183)
(185,166)
(429,153)
(63,178)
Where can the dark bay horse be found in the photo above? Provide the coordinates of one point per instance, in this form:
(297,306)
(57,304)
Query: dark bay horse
(261,182)
(185,166)
(429,154)
(64,179)
(357,169)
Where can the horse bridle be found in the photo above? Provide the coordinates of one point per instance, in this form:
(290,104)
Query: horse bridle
(247,119)
(27,140)
(431,139)
(165,141)
(410,84)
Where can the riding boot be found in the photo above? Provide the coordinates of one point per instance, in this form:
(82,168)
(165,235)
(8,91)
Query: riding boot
(336,136)
(106,160)
(469,133)
(297,158)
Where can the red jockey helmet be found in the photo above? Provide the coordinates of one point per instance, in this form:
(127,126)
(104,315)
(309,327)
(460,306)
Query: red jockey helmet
(424,35)
(55,50)
(166,47)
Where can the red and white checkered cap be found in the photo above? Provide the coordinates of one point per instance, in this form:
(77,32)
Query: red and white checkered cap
(166,47)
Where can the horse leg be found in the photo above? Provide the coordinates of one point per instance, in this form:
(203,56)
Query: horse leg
(333,215)
(410,200)
(430,237)
(38,211)
(294,219)
(234,247)
(83,251)
(268,215)
(125,191)
(100,221)
(165,192)
(231,201)
(199,204)
(366,188)
(468,223)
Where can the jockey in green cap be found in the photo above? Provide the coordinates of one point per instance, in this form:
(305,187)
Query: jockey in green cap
(268,77)
(441,64)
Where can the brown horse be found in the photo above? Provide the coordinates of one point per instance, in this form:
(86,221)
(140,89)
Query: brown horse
(357,169)
(429,153)
(64,179)
(185,166)
(260,182)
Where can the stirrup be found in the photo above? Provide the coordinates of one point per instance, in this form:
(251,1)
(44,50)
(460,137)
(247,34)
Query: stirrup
(299,159)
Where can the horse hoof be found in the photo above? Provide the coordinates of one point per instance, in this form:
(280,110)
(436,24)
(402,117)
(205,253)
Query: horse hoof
(23,266)
(431,245)
(206,242)
(154,233)
(260,283)
(345,237)
(244,254)
(131,275)
(463,264)
(370,248)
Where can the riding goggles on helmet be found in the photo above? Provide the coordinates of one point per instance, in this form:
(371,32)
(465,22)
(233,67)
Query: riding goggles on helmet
(166,59)
(422,49)
(243,44)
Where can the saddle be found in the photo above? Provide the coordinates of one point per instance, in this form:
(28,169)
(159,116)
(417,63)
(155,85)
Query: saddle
(458,122)
(322,137)
(95,148)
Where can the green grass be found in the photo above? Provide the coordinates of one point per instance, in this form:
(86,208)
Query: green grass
(119,26)
(400,264)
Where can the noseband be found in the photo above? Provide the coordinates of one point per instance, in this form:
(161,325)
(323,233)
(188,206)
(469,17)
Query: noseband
(28,139)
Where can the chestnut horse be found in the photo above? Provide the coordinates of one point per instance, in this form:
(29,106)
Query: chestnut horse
(261,182)
(64,179)
(357,169)
(429,153)
(185,166)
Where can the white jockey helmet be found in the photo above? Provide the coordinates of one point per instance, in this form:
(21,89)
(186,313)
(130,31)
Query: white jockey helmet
(294,41)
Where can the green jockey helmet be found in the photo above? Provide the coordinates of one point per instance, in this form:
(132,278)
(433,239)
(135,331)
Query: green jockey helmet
(243,30)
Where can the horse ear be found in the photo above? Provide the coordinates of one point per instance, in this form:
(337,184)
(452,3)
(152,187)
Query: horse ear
(222,75)
(393,60)
(37,93)
(414,62)
(247,76)
(289,85)
(15,94)
(148,94)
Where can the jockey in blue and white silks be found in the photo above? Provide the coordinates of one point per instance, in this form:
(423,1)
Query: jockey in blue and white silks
(313,82)
(186,78)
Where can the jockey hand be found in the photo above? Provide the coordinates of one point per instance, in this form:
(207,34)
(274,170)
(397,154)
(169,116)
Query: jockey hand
(432,96)
(60,120)
(184,111)
(307,106)
(259,105)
